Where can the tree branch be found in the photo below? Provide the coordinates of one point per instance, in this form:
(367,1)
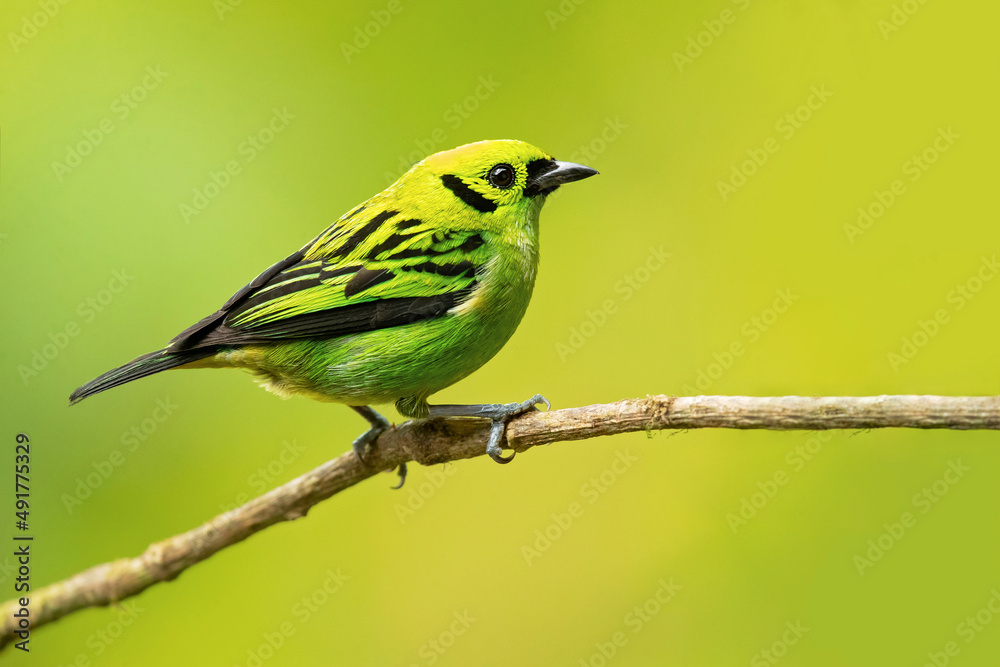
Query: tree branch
(438,441)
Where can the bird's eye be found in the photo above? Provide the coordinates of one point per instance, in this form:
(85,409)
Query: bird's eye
(501,176)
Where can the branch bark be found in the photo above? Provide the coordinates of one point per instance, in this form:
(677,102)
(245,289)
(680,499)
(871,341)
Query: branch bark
(438,441)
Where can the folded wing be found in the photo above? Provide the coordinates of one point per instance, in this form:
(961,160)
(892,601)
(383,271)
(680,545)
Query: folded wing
(366,272)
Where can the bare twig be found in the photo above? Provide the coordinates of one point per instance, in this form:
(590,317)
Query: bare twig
(437,441)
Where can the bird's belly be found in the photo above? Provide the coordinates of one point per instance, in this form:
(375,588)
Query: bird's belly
(382,366)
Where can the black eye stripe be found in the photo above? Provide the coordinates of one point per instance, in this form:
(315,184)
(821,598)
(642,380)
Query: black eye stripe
(538,167)
(467,194)
(535,169)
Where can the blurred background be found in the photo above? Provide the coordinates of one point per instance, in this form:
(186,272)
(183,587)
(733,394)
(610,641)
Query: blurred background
(795,198)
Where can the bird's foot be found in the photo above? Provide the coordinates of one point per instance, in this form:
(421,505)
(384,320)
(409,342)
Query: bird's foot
(379,425)
(361,444)
(365,440)
(500,414)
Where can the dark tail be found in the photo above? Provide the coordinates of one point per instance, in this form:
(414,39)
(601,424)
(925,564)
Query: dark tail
(147,364)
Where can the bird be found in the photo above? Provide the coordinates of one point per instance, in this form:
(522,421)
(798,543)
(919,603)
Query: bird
(402,296)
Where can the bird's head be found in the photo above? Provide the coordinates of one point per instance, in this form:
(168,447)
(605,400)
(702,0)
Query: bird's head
(491,179)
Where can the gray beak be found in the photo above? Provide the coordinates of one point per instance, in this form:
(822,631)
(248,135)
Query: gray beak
(557,174)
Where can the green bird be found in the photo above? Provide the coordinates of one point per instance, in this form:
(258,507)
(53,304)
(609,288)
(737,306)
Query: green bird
(406,294)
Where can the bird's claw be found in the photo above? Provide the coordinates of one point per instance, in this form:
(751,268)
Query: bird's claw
(401,471)
(493,447)
(362,442)
(365,440)
(501,414)
(379,425)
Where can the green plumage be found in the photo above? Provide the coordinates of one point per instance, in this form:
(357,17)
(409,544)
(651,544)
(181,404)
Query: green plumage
(401,297)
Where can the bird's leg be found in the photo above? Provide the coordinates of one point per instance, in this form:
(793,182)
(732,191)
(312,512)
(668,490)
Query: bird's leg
(379,425)
(498,413)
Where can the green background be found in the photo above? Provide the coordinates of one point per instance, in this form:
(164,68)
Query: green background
(599,83)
